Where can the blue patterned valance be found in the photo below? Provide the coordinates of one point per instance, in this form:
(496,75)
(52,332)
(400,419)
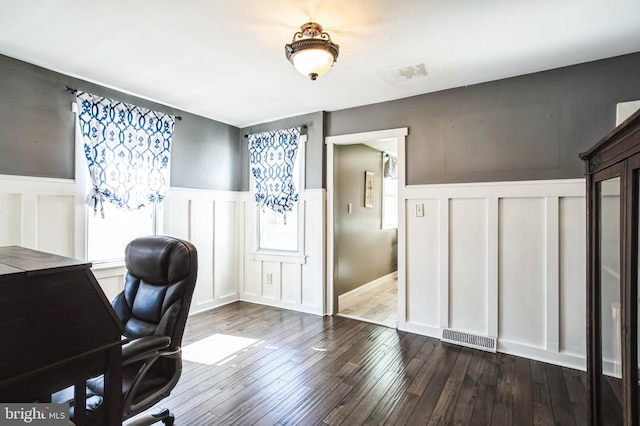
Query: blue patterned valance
(272,155)
(127,150)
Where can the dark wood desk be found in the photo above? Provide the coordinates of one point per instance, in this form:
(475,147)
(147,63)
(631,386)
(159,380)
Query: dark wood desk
(57,329)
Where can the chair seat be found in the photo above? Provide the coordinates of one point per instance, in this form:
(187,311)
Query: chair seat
(152,384)
(94,406)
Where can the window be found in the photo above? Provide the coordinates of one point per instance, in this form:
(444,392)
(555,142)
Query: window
(122,162)
(107,237)
(277,231)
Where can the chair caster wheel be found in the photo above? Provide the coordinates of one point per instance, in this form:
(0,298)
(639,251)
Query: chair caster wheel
(169,420)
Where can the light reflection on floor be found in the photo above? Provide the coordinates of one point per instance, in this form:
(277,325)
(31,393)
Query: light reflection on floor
(217,349)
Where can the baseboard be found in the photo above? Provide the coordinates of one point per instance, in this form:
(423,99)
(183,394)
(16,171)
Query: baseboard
(562,359)
(212,304)
(424,330)
(315,310)
(558,358)
(367,320)
(356,292)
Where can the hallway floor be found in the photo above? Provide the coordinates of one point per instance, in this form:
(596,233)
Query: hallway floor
(378,306)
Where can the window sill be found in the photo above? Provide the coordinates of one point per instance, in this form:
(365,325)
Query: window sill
(109,264)
(279,256)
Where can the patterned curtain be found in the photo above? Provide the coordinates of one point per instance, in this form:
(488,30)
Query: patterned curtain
(272,155)
(127,150)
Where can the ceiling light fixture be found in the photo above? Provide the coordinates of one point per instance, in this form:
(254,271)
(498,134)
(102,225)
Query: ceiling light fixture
(311,51)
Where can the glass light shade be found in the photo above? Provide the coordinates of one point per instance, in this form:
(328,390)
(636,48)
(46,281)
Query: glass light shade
(312,62)
(311,51)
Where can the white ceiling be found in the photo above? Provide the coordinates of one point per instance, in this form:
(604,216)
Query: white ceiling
(224,59)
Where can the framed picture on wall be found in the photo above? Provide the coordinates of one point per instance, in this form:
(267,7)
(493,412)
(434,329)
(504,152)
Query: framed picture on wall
(368,189)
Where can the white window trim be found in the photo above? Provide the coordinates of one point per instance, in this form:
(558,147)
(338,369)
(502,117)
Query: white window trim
(81,179)
(294,256)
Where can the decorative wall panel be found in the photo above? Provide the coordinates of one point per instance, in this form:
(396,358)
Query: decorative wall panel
(504,260)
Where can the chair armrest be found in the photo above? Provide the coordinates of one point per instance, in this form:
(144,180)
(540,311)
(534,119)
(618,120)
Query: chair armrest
(143,348)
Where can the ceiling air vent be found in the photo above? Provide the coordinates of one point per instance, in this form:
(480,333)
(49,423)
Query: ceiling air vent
(403,75)
(409,73)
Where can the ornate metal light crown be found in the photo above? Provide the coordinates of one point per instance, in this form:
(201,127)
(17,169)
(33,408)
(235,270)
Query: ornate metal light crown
(311,50)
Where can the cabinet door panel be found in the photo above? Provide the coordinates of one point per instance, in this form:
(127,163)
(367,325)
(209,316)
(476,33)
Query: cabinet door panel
(635,256)
(633,260)
(610,310)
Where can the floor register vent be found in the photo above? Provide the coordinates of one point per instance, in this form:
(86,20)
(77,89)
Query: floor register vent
(475,341)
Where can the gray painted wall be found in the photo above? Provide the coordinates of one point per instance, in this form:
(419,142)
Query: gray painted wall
(36,122)
(205,154)
(527,127)
(521,128)
(363,251)
(314,148)
(37,131)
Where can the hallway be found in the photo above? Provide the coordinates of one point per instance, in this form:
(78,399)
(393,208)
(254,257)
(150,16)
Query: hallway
(378,305)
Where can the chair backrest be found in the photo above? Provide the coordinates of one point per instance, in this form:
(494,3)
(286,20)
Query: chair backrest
(160,280)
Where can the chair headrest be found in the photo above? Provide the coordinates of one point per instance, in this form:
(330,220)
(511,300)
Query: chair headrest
(158,259)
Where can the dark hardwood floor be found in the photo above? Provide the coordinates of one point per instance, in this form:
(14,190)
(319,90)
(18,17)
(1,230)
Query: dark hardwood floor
(305,369)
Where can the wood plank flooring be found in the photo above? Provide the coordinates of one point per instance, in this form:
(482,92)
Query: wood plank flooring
(305,369)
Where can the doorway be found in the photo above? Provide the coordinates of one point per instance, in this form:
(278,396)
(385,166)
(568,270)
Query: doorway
(365,254)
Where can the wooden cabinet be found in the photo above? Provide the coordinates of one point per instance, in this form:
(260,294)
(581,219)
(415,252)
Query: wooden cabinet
(613,194)
(58,329)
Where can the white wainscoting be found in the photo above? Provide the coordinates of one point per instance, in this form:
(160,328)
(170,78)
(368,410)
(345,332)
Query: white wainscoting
(297,281)
(111,279)
(48,215)
(38,213)
(211,220)
(499,259)
(505,260)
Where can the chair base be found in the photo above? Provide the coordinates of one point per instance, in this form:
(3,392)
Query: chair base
(154,415)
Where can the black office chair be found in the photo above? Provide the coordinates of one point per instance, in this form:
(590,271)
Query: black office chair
(153,307)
